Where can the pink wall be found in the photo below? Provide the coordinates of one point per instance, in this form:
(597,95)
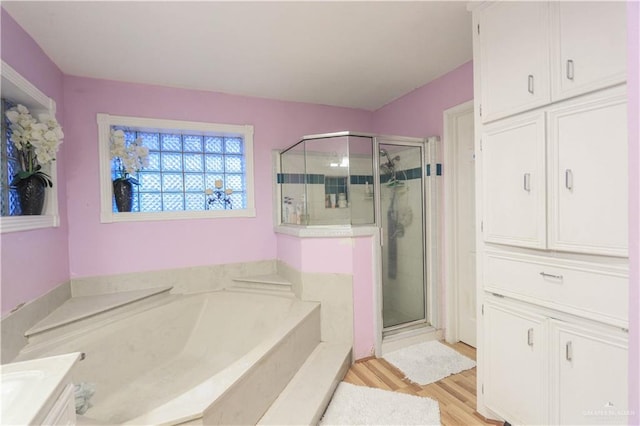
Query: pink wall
(352,256)
(633,58)
(103,249)
(419,113)
(34,262)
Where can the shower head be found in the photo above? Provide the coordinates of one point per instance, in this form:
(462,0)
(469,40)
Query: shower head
(384,152)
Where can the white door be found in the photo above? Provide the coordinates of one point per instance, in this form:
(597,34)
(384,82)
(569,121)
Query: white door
(465,247)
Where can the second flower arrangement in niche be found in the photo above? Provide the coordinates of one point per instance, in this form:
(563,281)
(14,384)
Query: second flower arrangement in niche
(129,158)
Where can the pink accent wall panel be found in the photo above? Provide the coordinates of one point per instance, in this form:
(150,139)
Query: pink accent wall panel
(363,298)
(419,113)
(103,249)
(34,262)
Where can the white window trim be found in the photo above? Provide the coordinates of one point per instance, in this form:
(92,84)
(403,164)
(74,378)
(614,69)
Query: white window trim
(19,89)
(105,121)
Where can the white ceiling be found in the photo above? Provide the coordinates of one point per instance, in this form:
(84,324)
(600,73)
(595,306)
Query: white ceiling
(353,54)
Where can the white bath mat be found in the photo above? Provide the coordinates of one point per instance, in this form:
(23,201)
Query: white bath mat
(359,405)
(429,362)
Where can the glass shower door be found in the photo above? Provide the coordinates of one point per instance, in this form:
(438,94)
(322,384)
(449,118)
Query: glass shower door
(402,192)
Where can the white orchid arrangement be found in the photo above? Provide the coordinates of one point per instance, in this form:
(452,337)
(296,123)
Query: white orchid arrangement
(37,142)
(130,158)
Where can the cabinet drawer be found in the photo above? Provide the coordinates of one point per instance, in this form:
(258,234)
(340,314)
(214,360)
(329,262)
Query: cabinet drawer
(573,287)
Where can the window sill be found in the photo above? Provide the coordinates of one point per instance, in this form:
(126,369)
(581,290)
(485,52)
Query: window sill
(177,215)
(27,223)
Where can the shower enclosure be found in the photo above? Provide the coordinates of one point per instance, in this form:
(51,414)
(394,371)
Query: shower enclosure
(348,180)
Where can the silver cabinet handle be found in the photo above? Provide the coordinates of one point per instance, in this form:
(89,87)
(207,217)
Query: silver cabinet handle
(527,182)
(570,69)
(568,179)
(568,351)
(545,275)
(530,337)
(530,83)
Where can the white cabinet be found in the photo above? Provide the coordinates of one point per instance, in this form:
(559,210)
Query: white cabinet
(63,412)
(515,368)
(588,174)
(551,202)
(540,370)
(556,178)
(534,53)
(513,179)
(589,370)
(589,46)
(514,49)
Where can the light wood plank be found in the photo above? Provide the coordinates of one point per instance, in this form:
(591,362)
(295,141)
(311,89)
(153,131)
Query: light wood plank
(456,394)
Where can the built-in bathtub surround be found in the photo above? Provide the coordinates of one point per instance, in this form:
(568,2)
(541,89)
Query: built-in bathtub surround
(183,280)
(15,324)
(181,361)
(334,292)
(336,267)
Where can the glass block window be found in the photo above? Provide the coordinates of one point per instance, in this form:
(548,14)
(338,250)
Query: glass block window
(182,167)
(195,169)
(9,166)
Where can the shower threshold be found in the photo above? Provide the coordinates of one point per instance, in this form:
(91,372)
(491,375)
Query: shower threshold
(407,335)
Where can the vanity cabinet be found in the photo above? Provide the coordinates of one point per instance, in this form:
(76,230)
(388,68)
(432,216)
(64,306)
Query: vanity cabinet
(556,177)
(63,411)
(534,53)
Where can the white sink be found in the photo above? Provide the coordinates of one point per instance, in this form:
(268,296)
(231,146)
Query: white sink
(19,385)
(30,387)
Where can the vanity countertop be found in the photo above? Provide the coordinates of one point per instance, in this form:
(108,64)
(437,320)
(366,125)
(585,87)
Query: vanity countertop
(30,388)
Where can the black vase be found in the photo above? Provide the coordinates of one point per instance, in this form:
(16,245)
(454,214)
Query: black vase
(123,193)
(31,195)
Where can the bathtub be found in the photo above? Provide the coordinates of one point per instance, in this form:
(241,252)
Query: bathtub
(214,358)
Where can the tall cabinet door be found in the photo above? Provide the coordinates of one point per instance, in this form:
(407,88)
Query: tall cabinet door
(588,45)
(588,174)
(514,358)
(590,376)
(513,181)
(514,57)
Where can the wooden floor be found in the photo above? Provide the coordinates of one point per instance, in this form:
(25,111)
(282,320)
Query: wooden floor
(456,394)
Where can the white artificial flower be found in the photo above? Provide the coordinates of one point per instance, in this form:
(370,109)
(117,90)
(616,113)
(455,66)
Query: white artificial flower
(34,137)
(130,158)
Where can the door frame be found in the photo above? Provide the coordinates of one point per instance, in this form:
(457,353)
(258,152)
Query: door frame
(430,146)
(450,276)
